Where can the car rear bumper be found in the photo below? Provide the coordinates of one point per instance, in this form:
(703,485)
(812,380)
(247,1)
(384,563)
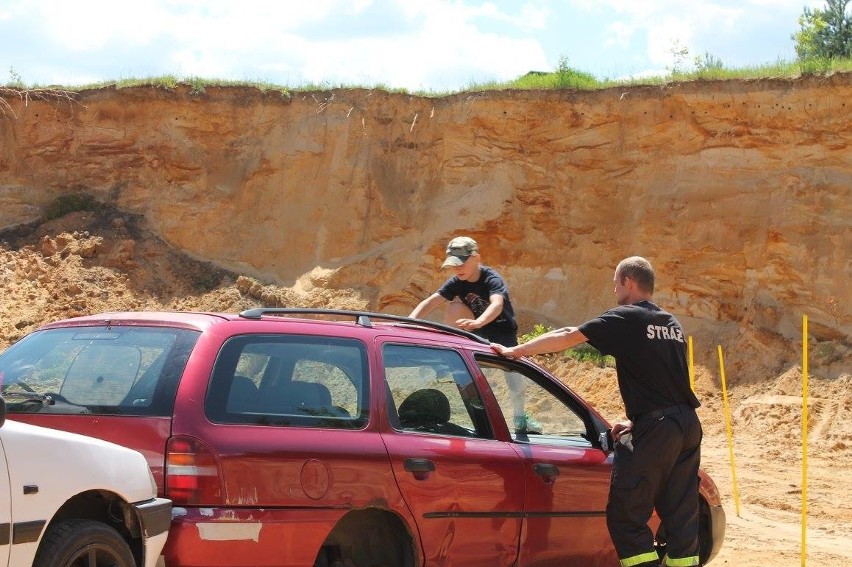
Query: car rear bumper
(247,537)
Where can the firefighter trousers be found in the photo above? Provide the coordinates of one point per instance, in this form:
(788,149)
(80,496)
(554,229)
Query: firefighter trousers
(661,471)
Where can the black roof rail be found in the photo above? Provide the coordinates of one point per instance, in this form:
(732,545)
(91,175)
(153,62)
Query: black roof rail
(363,318)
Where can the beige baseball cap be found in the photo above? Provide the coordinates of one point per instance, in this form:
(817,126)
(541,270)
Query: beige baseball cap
(459,250)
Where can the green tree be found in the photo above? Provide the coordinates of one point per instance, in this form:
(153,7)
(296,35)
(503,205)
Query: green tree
(825,34)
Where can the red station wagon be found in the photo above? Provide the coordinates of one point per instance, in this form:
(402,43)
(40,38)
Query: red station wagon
(304,437)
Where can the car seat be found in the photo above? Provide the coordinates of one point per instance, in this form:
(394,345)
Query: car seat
(243,395)
(303,398)
(307,395)
(428,410)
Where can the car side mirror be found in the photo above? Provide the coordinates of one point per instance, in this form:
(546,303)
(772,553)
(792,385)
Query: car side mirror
(2,411)
(603,439)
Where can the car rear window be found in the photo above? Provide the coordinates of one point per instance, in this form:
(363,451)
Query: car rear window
(111,370)
(290,380)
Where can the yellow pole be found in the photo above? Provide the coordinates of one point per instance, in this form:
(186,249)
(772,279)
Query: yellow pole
(691,365)
(804,436)
(728,428)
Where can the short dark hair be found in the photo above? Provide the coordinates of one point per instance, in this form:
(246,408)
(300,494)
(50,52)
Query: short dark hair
(639,270)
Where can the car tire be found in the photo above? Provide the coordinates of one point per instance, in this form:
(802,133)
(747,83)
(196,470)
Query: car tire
(83,542)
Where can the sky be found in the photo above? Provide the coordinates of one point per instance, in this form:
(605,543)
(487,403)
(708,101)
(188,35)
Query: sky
(417,45)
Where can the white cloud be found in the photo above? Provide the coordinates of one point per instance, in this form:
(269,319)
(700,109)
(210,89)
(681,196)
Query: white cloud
(89,25)
(444,40)
(666,38)
(434,45)
(699,27)
(619,34)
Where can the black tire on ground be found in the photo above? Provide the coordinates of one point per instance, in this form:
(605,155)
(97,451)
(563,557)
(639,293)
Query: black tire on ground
(83,543)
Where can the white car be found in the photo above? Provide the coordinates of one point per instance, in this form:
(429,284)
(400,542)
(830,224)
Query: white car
(67,500)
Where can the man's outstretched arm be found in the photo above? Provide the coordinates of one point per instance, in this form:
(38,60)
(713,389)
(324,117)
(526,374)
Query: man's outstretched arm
(556,340)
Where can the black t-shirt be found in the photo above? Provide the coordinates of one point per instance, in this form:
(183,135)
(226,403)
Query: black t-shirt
(650,355)
(477,296)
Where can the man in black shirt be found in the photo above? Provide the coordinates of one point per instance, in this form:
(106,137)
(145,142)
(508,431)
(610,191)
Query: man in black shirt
(659,447)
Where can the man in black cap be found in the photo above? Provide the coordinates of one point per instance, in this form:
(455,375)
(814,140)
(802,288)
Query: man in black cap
(476,297)
(477,300)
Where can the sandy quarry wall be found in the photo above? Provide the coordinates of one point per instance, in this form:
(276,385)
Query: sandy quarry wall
(738,191)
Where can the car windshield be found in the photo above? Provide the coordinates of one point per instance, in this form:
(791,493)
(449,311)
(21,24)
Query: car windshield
(111,370)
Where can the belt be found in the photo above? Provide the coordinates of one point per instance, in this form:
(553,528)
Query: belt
(664,412)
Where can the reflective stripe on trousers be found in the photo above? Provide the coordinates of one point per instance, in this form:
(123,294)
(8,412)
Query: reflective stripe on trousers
(653,558)
(649,557)
(682,561)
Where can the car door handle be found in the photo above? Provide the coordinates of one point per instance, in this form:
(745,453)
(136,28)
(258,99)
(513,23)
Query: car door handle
(421,468)
(546,471)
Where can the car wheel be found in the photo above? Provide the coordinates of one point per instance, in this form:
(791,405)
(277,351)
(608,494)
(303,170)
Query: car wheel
(83,543)
(705,535)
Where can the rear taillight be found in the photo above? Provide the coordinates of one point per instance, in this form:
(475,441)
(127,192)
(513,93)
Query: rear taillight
(193,476)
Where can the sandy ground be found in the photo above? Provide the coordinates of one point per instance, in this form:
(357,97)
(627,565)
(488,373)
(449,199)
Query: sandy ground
(766,527)
(764,506)
(102,261)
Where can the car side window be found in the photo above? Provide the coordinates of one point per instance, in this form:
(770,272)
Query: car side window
(533,413)
(432,391)
(290,380)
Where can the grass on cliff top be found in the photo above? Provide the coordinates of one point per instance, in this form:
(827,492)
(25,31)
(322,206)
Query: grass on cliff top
(564,77)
